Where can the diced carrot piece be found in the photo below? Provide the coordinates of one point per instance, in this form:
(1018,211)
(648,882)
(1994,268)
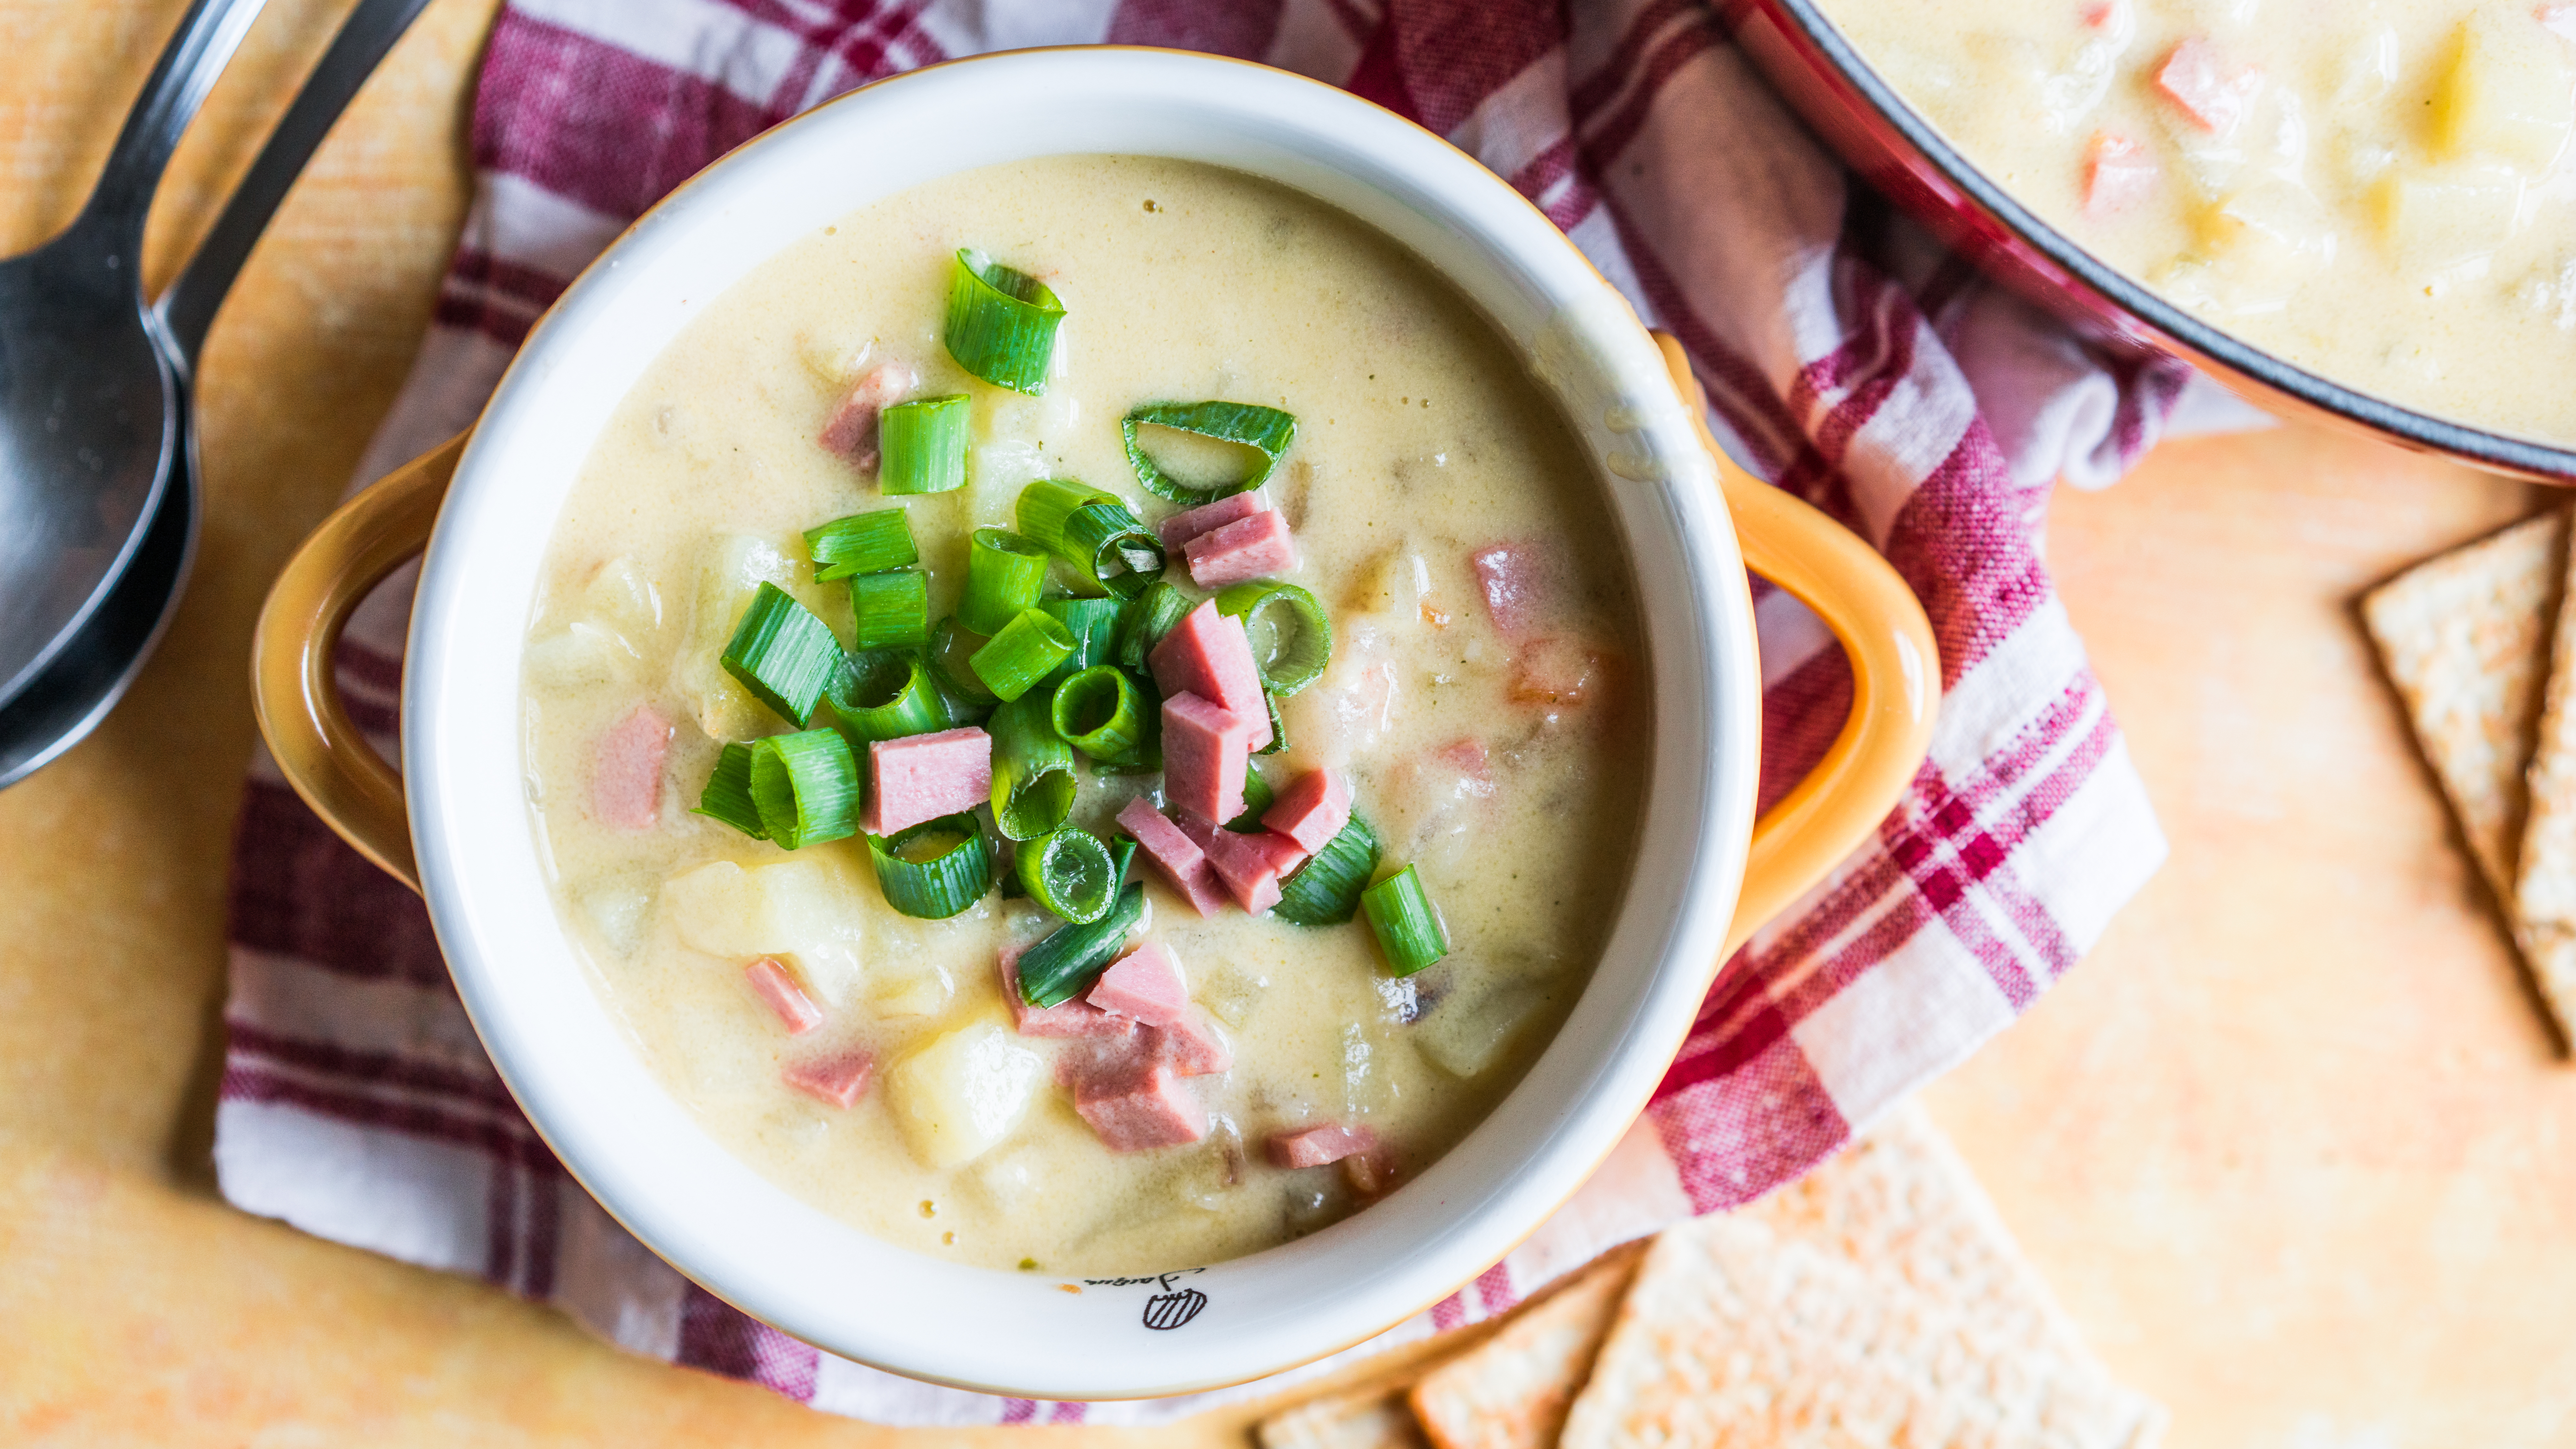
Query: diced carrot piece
(2212,96)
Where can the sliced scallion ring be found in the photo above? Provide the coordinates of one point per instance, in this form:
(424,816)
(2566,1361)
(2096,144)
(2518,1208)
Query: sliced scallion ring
(1001,322)
(782,654)
(1278,726)
(1325,891)
(924,445)
(1005,574)
(933,870)
(1257,796)
(1149,616)
(1068,871)
(890,610)
(1065,964)
(1292,639)
(863,543)
(886,694)
(1266,431)
(1100,712)
(1033,781)
(1407,925)
(1093,623)
(1112,550)
(727,797)
(952,645)
(1027,649)
(1047,503)
(806,786)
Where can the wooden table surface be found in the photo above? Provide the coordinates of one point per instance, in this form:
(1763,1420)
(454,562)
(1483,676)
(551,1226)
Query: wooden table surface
(2290,1144)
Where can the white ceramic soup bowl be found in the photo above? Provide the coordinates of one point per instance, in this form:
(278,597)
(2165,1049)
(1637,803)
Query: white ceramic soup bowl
(469,847)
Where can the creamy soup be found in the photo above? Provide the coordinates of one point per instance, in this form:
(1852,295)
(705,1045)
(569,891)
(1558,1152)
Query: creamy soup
(2377,190)
(1217,1077)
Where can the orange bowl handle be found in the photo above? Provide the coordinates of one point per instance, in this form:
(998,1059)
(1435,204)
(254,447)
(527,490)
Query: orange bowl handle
(318,748)
(1896,677)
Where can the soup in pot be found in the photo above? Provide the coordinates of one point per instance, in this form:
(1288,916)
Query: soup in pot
(1088,717)
(2376,190)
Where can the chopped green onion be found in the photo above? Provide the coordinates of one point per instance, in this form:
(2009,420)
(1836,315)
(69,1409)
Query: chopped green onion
(886,694)
(783,654)
(1100,712)
(952,645)
(891,610)
(1278,726)
(1032,771)
(1001,322)
(1407,925)
(1093,623)
(1047,503)
(1110,548)
(728,793)
(1068,872)
(1150,616)
(1065,964)
(933,870)
(1257,796)
(807,787)
(1005,573)
(1325,891)
(863,543)
(1292,640)
(1026,650)
(1266,431)
(924,444)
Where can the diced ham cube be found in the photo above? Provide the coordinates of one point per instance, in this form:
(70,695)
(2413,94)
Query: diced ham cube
(1467,756)
(852,430)
(922,777)
(1250,865)
(838,1081)
(1177,530)
(2210,95)
(1209,655)
(1258,547)
(1138,1105)
(1312,810)
(1070,1018)
(1206,750)
(1513,579)
(776,985)
(1144,985)
(1174,856)
(2100,14)
(2118,174)
(1319,1146)
(1191,1045)
(626,769)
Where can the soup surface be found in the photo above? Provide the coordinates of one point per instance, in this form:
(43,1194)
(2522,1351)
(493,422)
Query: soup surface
(2378,190)
(1483,642)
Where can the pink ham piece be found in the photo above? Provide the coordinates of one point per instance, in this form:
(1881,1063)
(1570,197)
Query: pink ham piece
(922,777)
(2210,95)
(1177,530)
(1137,1103)
(1191,1045)
(1258,547)
(1312,810)
(852,429)
(834,1081)
(1320,1146)
(1074,1018)
(1206,749)
(2118,174)
(1250,865)
(1144,985)
(1174,856)
(1512,577)
(1209,655)
(771,979)
(626,769)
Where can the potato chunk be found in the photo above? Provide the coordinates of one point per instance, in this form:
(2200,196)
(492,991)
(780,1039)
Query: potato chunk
(2449,219)
(959,1096)
(805,910)
(2508,95)
(730,571)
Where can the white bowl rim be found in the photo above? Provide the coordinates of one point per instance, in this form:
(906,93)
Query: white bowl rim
(823,1280)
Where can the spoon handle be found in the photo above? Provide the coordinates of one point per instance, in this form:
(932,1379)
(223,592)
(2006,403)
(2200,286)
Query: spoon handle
(188,308)
(187,70)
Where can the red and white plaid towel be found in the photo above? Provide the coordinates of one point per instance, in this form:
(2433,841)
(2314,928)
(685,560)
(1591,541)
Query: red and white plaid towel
(1848,359)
